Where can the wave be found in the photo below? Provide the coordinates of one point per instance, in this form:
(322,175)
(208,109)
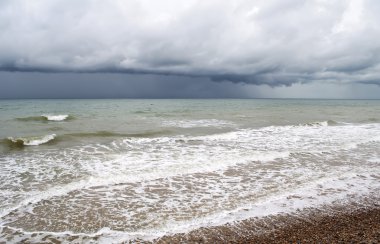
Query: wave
(115,134)
(29,141)
(321,123)
(46,117)
(142,112)
(372,120)
(197,123)
(60,117)
(20,142)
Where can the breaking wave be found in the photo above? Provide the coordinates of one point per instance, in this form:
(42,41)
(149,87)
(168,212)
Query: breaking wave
(20,142)
(197,123)
(60,117)
(46,117)
(30,141)
(321,123)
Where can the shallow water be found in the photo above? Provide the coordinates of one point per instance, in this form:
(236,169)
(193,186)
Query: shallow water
(126,169)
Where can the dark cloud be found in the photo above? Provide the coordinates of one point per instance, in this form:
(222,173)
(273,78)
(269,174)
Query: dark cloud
(120,85)
(258,42)
(267,79)
(114,85)
(371,82)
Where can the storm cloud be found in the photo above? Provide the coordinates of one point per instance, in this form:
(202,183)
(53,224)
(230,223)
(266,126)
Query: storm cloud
(273,42)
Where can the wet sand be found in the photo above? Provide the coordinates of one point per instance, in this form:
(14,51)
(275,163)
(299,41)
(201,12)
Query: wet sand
(354,224)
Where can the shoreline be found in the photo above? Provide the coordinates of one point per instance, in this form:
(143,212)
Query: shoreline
(348,222)
(338,224)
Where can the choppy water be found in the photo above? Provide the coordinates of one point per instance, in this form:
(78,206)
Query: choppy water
(116,170)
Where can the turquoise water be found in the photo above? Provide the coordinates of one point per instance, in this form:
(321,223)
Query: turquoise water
(126,169)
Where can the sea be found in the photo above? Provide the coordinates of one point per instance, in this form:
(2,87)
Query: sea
(119,170)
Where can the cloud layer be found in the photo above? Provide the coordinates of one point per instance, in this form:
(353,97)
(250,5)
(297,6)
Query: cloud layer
(274,42)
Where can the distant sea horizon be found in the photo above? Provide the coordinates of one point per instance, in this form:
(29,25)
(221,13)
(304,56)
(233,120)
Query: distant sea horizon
(185,98)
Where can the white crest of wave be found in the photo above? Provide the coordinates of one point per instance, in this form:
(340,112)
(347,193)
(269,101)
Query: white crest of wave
(323,123)
(33,141)
(60,117)
(197,123)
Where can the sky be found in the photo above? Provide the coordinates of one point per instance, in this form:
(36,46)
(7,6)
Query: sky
(189,49)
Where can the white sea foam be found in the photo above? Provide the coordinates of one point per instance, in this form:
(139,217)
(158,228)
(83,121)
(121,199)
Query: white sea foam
(192,180)
(315,194)
(60,117)
(136,159)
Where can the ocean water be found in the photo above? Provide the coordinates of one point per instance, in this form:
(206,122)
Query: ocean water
(119,170)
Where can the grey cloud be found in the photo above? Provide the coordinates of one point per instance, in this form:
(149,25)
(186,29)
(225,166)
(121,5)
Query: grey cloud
(371,82)
(114,85)
(267,79)
(273,42)
(120,85)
